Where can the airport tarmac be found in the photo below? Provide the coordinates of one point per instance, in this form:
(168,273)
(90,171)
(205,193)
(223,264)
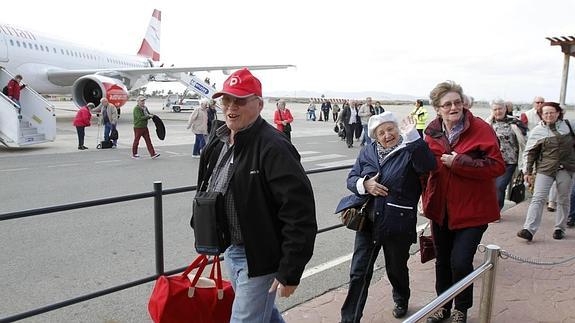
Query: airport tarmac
(50,258)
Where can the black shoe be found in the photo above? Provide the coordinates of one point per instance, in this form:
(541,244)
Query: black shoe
(80,147)
(399,311)
(558,234)
(459,316)
(571,222)
(84,147)
(525,234)
(439,316)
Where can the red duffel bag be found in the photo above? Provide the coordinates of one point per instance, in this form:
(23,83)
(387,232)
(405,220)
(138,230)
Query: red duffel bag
(176,299)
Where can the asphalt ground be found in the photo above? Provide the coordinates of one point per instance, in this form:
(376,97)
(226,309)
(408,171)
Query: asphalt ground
(50,258)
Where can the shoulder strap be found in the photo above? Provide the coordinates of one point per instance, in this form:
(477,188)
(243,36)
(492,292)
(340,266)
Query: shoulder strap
(570,129)
(213,160)
(280,113)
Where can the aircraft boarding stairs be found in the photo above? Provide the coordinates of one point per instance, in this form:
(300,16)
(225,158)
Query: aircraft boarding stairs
(33,123)
(194,84)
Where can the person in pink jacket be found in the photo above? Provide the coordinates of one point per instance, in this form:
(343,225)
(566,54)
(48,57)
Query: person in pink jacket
(283,118)
(81,121)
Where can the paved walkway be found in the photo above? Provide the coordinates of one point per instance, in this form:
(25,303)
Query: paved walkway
(524,292)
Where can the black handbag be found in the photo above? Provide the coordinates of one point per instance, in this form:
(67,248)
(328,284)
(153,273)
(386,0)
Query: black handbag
(209,219)
(355,218)
(426,247)
(114,134)
(518,189)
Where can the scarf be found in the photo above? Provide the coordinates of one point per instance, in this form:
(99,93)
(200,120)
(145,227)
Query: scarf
(382,151)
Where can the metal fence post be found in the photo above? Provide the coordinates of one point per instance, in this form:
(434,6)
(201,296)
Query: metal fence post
(159,227)
(488,284)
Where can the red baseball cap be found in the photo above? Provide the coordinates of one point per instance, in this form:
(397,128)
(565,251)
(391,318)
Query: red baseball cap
(241,84)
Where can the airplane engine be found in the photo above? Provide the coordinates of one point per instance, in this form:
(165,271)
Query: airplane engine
(92,88)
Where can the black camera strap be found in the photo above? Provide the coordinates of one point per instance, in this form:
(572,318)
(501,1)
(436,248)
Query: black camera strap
(215,154)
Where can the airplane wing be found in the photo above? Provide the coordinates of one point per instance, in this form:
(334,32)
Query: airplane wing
(63,77)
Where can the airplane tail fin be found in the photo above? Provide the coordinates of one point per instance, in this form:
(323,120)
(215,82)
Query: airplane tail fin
(151,43)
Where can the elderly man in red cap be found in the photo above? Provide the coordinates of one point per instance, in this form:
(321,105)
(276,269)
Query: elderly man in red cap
(269,203)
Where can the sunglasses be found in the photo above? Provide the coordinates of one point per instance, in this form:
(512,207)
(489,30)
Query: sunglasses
(228,101)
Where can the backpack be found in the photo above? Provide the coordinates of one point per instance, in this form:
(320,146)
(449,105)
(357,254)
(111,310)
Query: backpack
(5,90)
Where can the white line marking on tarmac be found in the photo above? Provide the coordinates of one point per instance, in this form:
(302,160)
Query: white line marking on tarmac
(309,152)
(170,152)
(107,161)
(321,157)
(338,163)
(340,260)
(13,169)
(62,165)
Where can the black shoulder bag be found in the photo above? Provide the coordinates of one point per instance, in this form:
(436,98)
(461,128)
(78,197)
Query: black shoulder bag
(209,220)
(287,126)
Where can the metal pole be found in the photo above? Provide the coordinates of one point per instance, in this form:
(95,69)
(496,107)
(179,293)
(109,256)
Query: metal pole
(158,225)
(564,75)
(488,284)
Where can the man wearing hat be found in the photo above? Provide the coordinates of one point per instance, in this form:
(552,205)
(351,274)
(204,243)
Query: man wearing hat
(141,117)
(269,203)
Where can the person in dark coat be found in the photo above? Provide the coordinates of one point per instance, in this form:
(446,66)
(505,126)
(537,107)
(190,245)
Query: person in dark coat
(269,201)
(386,175)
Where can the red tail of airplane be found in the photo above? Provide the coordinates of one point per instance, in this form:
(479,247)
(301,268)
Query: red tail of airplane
(151,43)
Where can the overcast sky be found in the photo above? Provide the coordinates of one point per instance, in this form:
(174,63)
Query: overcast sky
(494,49)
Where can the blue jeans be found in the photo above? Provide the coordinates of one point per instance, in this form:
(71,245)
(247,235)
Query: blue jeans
(108,126)
(365,139)
(253,302)
(396,254)
(502,181)
(199,144)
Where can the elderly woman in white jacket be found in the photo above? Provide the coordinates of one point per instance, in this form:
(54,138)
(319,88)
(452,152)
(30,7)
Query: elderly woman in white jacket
(198,122)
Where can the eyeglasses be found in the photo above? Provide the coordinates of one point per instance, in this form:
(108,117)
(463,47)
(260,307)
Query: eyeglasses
(449,104)
(228,101)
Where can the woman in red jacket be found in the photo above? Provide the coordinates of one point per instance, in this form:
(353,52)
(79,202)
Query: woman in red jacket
(283,118)
(81,121)
(460,197)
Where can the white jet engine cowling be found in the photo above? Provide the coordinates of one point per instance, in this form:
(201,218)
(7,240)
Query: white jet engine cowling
(92,88)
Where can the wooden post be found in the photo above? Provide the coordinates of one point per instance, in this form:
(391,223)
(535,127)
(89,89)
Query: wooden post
(567,52)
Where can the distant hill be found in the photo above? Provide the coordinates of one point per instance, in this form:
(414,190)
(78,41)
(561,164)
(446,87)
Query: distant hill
(346,95)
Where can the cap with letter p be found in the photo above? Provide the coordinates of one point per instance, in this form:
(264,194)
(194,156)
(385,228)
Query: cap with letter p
(241,84)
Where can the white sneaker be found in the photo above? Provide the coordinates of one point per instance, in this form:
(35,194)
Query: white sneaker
(136,156)
(156,156)
(195,156)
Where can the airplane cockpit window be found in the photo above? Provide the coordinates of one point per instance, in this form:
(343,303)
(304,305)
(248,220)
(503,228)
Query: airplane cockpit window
(12,42)
(30,45)
(24,45)
(36,46)
(18,43)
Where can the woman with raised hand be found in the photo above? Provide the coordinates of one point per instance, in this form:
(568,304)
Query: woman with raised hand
(387,173)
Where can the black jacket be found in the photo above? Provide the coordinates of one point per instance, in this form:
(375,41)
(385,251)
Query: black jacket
(273,199)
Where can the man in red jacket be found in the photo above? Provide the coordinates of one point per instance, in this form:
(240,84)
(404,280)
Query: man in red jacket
(14,88)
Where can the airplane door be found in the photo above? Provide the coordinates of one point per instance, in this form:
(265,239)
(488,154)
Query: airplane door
(3,49)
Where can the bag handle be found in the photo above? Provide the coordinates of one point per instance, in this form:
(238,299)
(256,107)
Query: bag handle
(215,274)
(217,277)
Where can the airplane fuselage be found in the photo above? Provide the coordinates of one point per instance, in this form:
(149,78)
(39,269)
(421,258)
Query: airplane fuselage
(33,56)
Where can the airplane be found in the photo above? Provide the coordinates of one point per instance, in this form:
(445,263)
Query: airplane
(53,66)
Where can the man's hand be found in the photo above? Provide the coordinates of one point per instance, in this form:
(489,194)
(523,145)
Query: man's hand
(447,159)
(374,188)
(283,291)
